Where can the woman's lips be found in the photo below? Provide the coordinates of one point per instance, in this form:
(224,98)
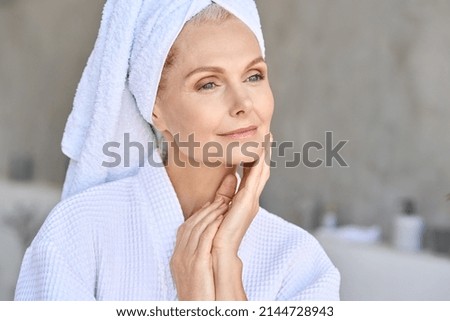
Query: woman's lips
(241,132)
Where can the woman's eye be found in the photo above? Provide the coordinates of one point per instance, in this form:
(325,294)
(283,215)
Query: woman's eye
(255,77)
(208,86)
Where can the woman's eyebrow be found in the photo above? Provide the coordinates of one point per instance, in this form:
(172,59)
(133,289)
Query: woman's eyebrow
(221,70)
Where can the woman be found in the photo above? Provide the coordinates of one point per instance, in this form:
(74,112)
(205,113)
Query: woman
(187,230)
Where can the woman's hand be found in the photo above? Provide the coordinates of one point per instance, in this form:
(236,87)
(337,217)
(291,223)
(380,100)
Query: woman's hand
(205,264)
(191,263)
(244,206)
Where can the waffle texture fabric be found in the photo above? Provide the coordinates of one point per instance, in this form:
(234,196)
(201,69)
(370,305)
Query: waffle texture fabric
(114,241)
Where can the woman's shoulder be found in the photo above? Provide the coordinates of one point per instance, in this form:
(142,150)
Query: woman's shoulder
(274,235)
(278,229)
(79,213)
(68,248)
(308,273)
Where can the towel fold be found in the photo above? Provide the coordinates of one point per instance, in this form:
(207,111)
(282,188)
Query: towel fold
(118,87)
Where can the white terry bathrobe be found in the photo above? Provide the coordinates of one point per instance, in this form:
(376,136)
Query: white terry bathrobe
(114,241)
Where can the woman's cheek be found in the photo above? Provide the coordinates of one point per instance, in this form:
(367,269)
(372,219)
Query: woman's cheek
(266,112)
(270,108)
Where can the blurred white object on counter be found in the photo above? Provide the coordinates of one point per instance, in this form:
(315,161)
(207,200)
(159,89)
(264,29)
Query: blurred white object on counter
(408,228)
(329,219)
(354,233)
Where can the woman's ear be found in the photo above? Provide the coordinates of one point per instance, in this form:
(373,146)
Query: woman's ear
(157,119)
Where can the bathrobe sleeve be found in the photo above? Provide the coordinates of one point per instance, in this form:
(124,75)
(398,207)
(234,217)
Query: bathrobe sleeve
(323,278)
(46,275)
(60,262)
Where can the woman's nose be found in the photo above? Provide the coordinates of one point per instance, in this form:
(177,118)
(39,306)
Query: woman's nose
(242,103)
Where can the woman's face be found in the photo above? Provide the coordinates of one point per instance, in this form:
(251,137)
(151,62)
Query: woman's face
(217,85)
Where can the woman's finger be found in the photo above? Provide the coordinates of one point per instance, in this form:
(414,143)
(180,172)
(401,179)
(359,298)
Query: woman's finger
(184,230)
(203,212)
(265,174)
(207,238)
(245,171)
(263,180)
(227,188)
(254,174)
(198,230)
(250,172)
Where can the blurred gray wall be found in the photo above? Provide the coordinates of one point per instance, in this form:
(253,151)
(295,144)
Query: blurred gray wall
(44,46)
(374,72)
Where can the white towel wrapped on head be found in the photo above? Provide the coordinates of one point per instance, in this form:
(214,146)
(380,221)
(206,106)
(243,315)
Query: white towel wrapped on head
(117,91)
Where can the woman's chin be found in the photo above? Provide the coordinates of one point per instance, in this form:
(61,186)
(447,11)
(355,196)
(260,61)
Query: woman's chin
(245,157)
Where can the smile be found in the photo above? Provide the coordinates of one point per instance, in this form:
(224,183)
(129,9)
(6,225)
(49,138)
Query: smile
(241,132)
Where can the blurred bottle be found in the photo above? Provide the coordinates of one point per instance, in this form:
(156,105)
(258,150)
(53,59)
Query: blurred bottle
(408,228)
(329,218)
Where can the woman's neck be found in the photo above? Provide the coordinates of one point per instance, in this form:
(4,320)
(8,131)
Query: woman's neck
(194,185)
